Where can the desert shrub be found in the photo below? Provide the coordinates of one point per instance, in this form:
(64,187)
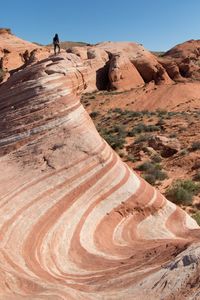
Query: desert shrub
(160,122)
(190,186)
(116,110)
(156,158)
(94,114)
(195,146)
(182,191)
(179,195)
(146,112)
(167,116)
(142,138)
(114,141)
(141,127)
(172,113)
(161,112)
(153,172)
(131,158)
(146,166)
(115,136)
(196,216)
(131,114)
(149,178)
(160,175)
(120,130)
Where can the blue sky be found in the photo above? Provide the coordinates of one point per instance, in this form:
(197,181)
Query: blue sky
(157,24)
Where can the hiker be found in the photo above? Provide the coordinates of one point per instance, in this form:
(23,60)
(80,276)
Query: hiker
(56,43)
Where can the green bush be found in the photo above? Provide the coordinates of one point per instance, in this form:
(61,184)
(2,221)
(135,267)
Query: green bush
(161,113)
(141,127)
(179,195)
(190,186)
(196,216)
(172,113)
(149,178)
(147,112)
(142,138)
(131,114)
(160,175)
(131,158)
(147,166)
(182,191)
(115,136)
(152,171)
(156,158)
(114,141)
(160,122)
(116,110)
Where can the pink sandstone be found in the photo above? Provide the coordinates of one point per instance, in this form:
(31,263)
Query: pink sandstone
(76,222)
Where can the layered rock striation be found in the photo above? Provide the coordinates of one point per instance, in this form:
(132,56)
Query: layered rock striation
(75,221)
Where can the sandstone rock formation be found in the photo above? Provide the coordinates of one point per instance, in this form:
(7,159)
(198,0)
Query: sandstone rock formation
(172,69)
(13,49)
(187,57)
(122,74)
(79,51)
(145,62)
(135,65)
(167,146)
(76,222)
(120,66)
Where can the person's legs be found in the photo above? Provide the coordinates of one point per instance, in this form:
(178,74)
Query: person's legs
(56,46)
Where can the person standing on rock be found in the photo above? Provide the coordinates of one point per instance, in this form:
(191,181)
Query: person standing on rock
(56,43)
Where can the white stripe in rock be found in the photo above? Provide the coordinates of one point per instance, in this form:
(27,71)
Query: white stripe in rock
(95,217)
(153,227)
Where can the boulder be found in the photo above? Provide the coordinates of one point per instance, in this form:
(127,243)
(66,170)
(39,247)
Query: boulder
(167,146)
(96,53)
(172,69)
(122,74)
(151,70)
(79,51)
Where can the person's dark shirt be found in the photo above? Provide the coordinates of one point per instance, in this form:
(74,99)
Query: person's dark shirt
(56,40)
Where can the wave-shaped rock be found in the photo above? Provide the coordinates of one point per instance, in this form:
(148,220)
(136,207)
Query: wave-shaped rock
(76,222)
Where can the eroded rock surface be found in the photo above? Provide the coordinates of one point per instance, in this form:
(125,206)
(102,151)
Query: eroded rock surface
(187,57)
(167,146)
(76,222)
(122,74)
(14,50)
